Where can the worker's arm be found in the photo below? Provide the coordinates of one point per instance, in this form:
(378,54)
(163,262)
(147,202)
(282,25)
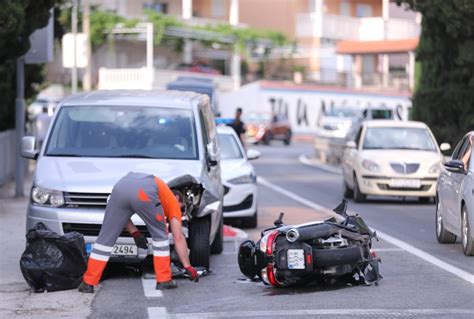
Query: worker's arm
(180,242)
(172,211)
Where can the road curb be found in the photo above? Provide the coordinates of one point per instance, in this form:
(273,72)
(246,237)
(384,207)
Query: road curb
(234,234)
(304,159)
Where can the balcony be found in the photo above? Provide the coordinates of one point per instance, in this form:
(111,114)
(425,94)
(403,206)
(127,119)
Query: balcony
(336,27)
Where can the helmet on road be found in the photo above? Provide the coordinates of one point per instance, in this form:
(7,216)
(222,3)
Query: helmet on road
(246,258)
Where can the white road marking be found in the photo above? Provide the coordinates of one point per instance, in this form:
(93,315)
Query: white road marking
(392,240)
(387,249)
(326,312)
(149,288)
(303,159)
(157,313)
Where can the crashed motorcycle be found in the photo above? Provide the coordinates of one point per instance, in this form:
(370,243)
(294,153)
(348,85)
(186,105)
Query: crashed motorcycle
(337,249)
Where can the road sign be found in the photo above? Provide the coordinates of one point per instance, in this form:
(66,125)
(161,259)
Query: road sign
(68,50)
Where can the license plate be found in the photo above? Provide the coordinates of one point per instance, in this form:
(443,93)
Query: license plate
(295,259)
(405,183)
(125,250)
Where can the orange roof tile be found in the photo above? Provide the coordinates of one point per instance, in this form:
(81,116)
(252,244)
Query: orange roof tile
(366,47)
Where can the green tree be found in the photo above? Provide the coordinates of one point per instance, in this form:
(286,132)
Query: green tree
(18,20)
(444,98)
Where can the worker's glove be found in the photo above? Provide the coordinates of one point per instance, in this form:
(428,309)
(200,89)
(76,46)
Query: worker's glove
(140,240)
(192,273)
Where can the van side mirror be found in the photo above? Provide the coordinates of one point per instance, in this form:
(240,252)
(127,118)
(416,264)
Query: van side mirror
(455,166)
(351,144)
(445,147)
(212,157)
(27,148)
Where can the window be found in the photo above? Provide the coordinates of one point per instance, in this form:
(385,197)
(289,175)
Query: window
(345,9)
(399,138)
(363,10)
(218,8)
(458,149)
(229,147)
(120,131)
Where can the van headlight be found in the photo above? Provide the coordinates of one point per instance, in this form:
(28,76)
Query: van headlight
(47,197)
(244,179)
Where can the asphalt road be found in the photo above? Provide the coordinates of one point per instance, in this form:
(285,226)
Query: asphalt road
(421,277)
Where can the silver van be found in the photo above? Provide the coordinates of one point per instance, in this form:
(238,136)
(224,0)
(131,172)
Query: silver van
(97,138)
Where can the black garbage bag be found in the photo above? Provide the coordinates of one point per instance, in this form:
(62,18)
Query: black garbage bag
(53,262)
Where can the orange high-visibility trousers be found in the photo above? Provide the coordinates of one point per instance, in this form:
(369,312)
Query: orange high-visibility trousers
(135,193)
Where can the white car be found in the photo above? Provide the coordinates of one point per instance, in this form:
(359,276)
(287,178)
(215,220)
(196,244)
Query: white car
(392,158)
(455,204)
(238,177)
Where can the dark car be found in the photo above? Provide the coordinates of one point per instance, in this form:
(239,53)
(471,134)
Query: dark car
(264,127)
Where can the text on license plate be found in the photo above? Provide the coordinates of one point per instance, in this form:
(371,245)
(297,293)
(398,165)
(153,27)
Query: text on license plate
(125,250)
(295,259)
(407,183)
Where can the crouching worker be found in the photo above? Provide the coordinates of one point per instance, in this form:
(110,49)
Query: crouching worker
(150,198)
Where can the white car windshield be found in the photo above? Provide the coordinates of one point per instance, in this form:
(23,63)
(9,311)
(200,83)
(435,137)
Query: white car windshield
(341,112)
(398,138)
(123,131)
(229,147)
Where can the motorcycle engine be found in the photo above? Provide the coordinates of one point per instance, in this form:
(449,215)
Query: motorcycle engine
(336,241)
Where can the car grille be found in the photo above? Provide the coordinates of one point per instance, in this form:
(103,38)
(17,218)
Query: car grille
(86,200)
(245,204)
(405,168)
(94,229)
(387,187)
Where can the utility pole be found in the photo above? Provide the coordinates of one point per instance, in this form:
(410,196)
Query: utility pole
(74,32)
(20,124)
(86,29)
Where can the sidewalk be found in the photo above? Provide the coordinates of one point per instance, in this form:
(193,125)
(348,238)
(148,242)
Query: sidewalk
(16,298)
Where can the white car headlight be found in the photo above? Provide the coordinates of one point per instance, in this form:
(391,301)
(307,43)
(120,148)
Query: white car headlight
(47,197)
(370,165)
(435,168)
(244,179)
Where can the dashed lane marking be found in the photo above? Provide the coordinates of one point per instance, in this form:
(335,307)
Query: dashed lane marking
(149,288)
(158,313)
(390,239)
(372,313)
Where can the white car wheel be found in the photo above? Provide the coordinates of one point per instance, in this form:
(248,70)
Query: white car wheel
(466,234)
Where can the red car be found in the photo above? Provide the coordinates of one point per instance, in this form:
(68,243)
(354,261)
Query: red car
(263,127)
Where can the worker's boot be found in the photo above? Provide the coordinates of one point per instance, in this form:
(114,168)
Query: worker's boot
(85,288)
(166,285)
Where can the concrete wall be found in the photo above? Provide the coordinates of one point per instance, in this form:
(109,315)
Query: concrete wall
(303,104)
(8,151)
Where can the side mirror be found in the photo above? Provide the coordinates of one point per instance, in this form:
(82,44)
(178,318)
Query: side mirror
(252,154)
(212,156)
(27,148)
(455,166)
(351,144)
(445,147)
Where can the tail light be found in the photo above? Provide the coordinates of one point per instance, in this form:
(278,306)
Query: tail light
(267,244)
(372,252)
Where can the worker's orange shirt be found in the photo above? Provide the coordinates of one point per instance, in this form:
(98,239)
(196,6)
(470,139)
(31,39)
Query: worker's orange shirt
(168,201)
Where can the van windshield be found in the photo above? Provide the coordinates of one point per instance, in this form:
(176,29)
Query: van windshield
(123,131)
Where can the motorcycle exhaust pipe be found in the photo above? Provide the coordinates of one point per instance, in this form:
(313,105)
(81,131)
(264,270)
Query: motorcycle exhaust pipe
(292,235)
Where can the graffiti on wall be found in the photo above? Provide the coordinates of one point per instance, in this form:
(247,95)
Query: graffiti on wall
(304,110)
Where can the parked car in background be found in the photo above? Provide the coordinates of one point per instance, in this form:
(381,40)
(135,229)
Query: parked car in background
(97,138)
(337,122)
(264,127)
(454,197)
(392,158)
(238,177)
